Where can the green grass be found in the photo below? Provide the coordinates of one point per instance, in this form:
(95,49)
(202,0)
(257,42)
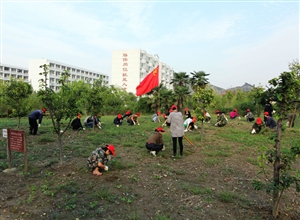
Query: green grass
(135,177)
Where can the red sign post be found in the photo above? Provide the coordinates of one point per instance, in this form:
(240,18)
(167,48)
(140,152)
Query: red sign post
(16,142)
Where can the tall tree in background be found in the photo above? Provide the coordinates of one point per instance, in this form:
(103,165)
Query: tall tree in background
(17,95)
(61,104)
(181,87)
(199,80)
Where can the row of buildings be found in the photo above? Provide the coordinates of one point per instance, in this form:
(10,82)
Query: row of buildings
(128,69)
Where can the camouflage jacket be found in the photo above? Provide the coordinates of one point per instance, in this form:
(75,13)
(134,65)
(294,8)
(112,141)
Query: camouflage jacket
(221,120)
(96,156)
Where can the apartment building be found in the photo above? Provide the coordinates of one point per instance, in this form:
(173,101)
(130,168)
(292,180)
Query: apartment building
(8,71)
(129,68)
(55,70)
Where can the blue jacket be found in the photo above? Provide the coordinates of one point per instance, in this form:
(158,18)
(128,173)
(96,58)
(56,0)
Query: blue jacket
(37,114)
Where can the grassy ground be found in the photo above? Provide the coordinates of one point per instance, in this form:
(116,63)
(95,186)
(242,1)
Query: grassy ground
(211,181)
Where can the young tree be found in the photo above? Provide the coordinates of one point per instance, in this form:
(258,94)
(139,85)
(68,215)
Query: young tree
(61,104)
(17,95)
(203,97)
(284,90)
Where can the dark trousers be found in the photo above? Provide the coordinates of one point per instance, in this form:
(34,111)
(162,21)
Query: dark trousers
(33,126)
(174,139)
(154,147)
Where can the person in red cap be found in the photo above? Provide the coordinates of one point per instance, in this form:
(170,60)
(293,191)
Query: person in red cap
(270,122)
(118,120)
(133,119)
(76,123)
(177,129)
(221,120)
(249,116)
(155,142)
(33,117)
(166,123)
(127,114)
(189,124)
(187,113)
(99,158)
(256,128)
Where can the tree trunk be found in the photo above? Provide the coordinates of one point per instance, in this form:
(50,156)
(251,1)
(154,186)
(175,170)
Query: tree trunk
(276,174)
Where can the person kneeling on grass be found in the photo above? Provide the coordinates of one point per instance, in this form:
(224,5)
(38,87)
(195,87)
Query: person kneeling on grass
(256,128)
(155,142)
(99,158)
(221,120)
(118,120)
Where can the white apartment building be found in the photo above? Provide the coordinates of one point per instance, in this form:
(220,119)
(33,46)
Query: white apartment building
(129,68)
(8,71)
(55,70)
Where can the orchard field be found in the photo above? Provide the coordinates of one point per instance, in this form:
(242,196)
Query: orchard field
(213,179)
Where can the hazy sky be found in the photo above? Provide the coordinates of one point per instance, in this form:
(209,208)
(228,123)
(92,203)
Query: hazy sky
(233,41)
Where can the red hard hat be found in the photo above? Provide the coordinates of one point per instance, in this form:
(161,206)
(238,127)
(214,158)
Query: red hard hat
(111,148)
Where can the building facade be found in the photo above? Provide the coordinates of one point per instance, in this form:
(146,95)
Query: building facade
(55,70)
(130,67)
(8,71)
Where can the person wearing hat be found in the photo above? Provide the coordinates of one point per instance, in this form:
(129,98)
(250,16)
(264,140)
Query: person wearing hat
(155,142)
(127,114)
(177,129)
(256,128)
(249,116)
(33,117)
(155,117)
(187,113)
(189,124)
(99,158)
(270,122)
(76,123)
(133,119)
(118,120)
(166,118)
(221,120)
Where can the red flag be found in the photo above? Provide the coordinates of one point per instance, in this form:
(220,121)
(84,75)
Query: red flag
(150,82)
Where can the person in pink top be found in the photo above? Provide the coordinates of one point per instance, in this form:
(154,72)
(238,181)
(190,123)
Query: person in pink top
(233,114)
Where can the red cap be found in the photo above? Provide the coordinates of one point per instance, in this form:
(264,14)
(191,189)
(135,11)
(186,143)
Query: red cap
(111,148)
(258,121)
(186,109)
(174,107)
(160,129)
(79,115)
(44,110)
(218,111)
(119,116)
(248,109)
(170,110)
(266,113)
(128,112)
(158,113)
(137,113)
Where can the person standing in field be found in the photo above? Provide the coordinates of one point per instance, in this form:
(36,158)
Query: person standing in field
(177,129)
(155,142)
(33,117)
